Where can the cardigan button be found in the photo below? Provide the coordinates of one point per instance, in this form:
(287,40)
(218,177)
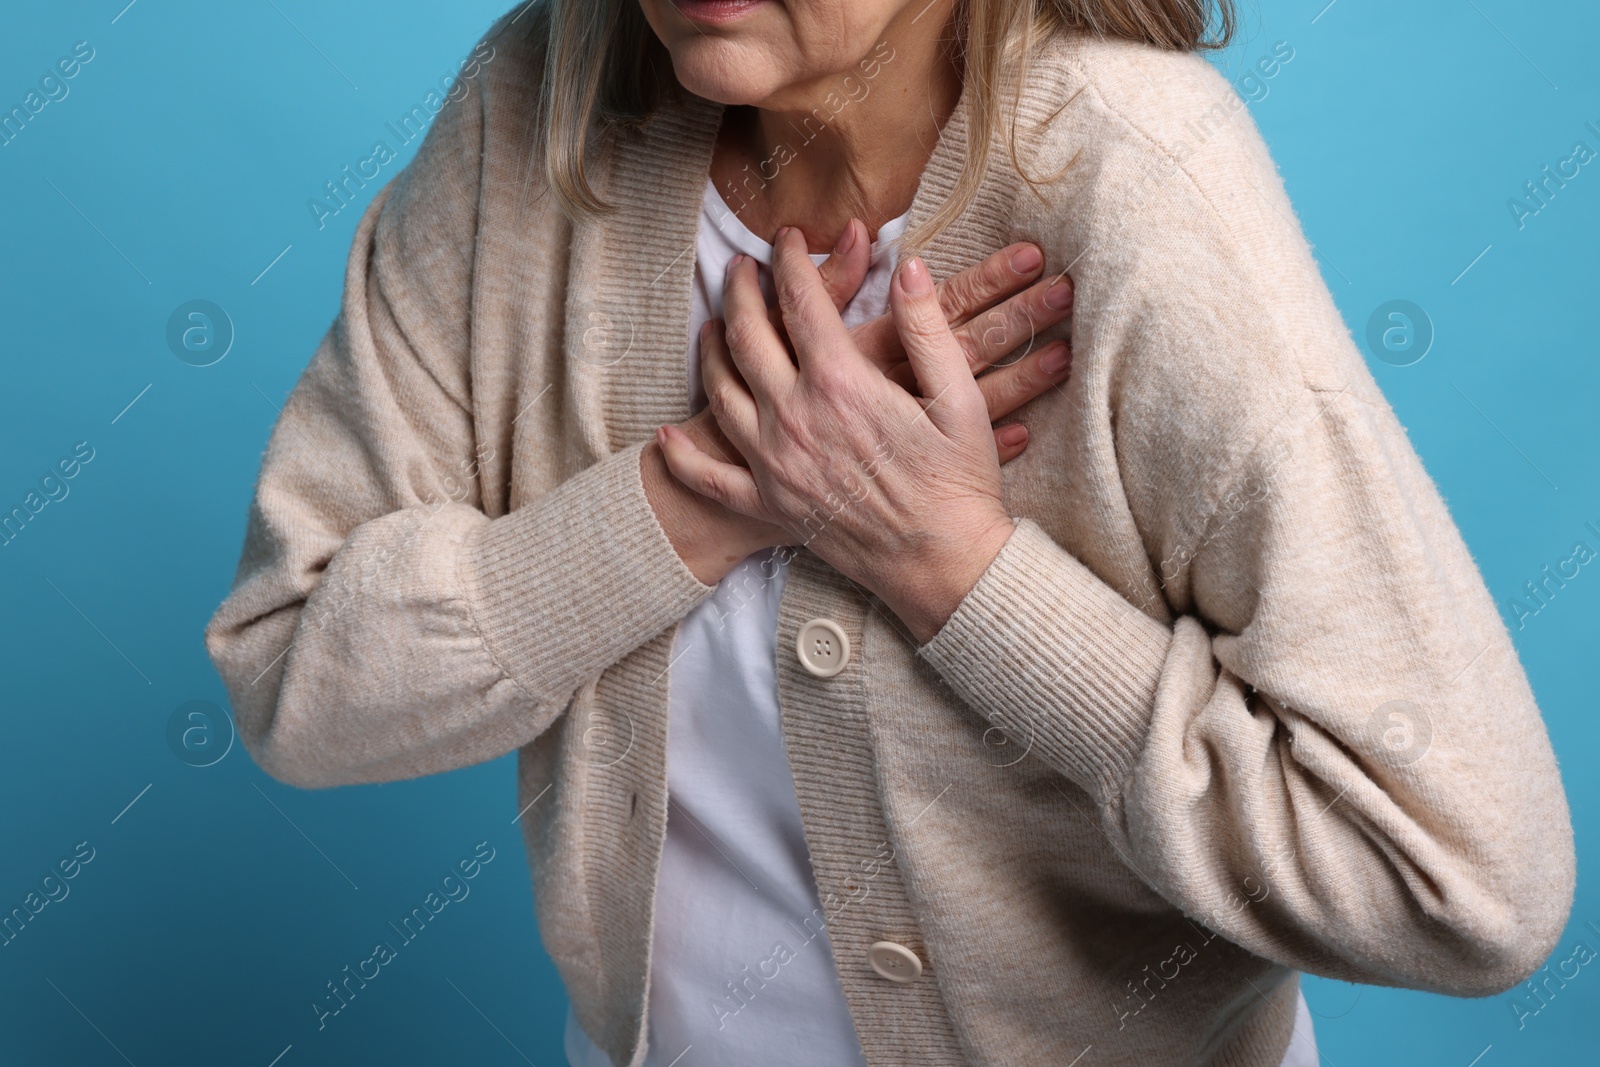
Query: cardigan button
(823,647)
(894,962)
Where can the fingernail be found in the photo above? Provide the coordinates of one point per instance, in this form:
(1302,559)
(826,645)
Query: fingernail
(847,239)
(779,235)
(1014,435)
(1055,359)
(1059,296)
(914,278)
(1026,260)
(732,263)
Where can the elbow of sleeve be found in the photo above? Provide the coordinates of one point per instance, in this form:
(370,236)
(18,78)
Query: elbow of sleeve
(293,767)
(1532,875)
(1502,875)
(256,698)
(1521,921)
(292,756)
(1538,915)
(1510,956)
(298,774)
(264,724)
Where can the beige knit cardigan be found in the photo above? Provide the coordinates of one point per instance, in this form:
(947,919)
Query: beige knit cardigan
(1232,703)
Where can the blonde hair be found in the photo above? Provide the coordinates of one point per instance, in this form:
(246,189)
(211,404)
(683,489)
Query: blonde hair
(605,68)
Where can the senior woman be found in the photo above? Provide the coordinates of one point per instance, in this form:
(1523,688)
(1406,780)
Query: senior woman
(657,440)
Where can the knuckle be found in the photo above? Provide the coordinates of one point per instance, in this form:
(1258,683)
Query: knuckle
(792,295)
(998,330)
(924,318)
(1024,384)
(832,380)
(971,398)
(714,484)
(721,397)
(834,280)
(1024,318)
(741,333)
(959,294)
(997,274)
(971,406)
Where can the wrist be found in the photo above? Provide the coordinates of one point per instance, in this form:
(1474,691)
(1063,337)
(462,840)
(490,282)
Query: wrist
(927,590)
(709,539)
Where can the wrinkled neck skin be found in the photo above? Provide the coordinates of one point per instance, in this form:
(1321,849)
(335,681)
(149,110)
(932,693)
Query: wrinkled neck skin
(849,144)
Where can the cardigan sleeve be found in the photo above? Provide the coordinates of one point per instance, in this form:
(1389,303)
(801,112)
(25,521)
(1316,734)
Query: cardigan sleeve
(381,625)
(1352,779)
(1314,736)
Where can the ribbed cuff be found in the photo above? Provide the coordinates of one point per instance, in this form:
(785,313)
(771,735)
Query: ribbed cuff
(567,585)
(1057,659)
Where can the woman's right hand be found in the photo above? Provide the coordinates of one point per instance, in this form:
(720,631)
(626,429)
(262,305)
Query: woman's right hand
(710,539)
(994,307)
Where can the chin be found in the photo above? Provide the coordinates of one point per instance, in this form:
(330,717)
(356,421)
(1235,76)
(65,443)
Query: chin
(724,73)
(741,61)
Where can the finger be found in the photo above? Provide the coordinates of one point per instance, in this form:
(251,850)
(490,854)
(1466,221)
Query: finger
(1010,441)
(1007,388)
(963,297)
(985,283)
(815,330)
(878,341)
(1015,323)
(731,486)
(846,266)
(932,350)
(727,395)
(702,428)
(842,272)
(749,337)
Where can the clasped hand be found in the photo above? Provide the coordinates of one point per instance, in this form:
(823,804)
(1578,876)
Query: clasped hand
(888,470)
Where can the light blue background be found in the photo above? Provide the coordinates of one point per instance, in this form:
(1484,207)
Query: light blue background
(179,167)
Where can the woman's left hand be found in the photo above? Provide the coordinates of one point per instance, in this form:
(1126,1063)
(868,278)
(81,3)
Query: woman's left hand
(898,493)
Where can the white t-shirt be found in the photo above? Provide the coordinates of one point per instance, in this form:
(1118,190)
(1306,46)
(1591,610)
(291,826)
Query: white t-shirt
(741,969)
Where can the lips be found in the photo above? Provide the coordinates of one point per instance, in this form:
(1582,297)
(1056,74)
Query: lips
(716,12)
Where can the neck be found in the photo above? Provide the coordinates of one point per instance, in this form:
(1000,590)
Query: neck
(848,145)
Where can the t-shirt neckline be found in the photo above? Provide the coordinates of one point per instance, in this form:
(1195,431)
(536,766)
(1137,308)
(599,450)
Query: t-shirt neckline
(740,237)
